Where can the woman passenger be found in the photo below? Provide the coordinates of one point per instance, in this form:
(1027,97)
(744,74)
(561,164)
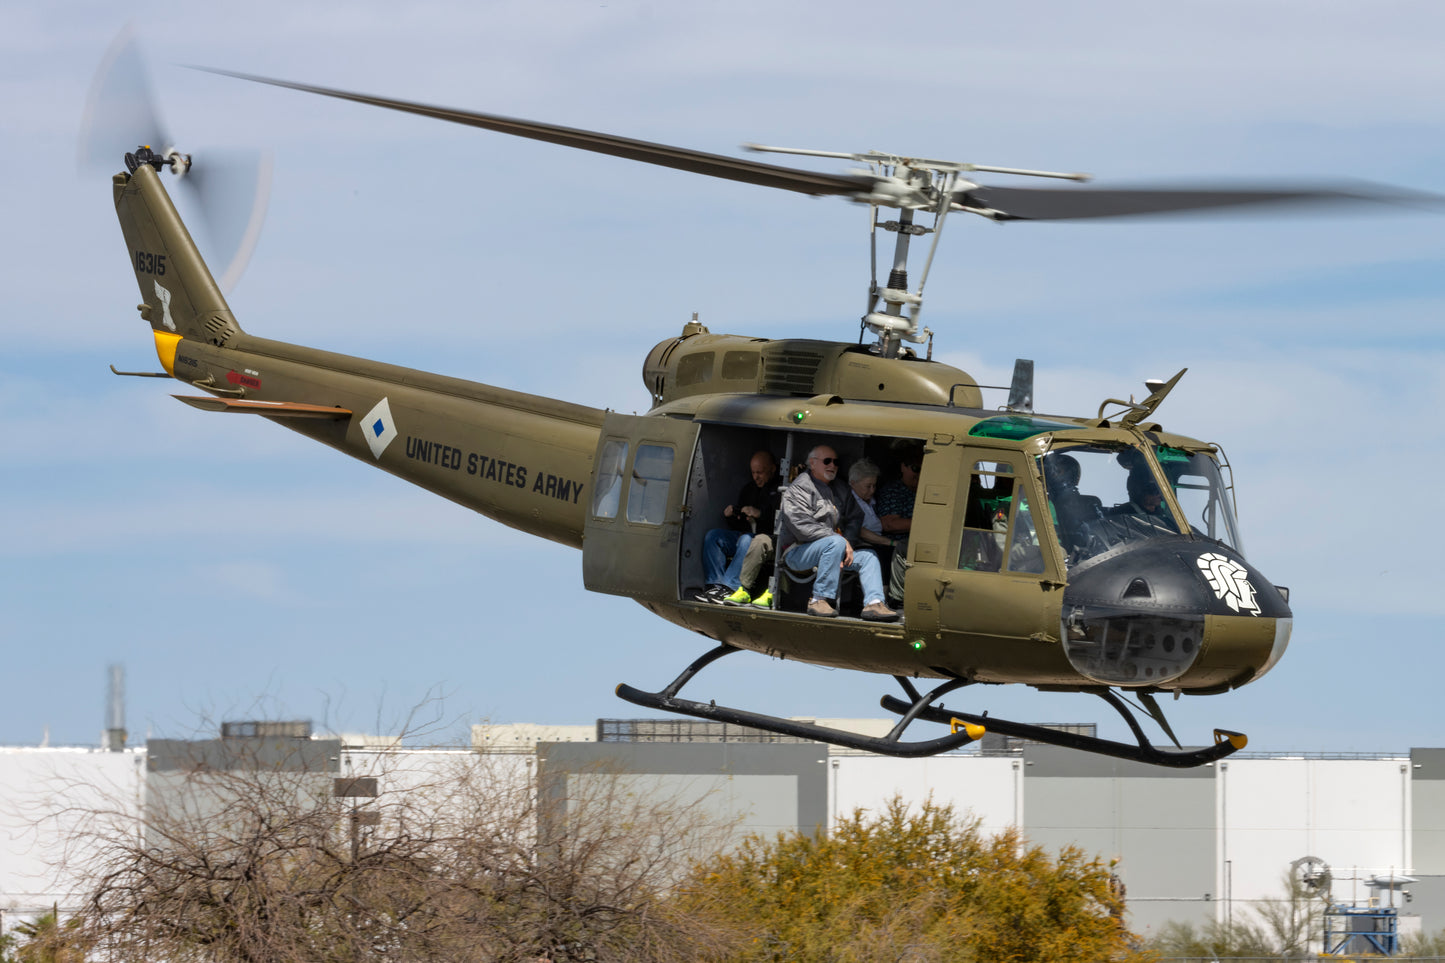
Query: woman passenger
(863,479)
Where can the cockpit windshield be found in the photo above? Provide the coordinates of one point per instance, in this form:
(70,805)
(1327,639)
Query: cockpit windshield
(1201,493)
(1103,496)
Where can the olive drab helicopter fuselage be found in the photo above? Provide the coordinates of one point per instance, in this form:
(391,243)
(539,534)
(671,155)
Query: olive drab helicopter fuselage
(1033,556)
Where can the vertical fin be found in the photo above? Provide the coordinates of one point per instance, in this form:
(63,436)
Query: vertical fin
(181,299)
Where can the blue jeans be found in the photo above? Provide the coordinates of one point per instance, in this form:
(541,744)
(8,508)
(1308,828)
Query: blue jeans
(827,555)
(718,546)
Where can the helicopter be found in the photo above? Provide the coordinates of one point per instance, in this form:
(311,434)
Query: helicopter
(1026,563)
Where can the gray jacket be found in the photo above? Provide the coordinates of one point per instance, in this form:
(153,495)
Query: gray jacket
(812,510)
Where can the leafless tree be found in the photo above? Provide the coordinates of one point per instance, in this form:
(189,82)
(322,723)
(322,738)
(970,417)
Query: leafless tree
(455,858)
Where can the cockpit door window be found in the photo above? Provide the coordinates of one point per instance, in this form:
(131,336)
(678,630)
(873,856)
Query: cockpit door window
(996,516)
(1202,495)
(985,518)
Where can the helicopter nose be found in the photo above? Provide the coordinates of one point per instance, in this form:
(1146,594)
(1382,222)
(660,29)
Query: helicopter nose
(1177,613)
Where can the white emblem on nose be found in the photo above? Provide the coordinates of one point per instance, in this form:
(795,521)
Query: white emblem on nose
(1230,582)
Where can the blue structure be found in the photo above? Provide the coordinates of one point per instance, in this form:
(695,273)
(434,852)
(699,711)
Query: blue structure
(1361,930)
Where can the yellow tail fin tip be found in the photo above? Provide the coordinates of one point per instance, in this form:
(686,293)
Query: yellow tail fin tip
(166,350)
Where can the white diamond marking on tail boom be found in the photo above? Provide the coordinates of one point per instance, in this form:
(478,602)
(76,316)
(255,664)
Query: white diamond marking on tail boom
(165,297)
(378,429)
(1230,582)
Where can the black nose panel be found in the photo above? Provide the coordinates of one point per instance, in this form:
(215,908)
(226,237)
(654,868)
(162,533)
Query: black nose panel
(1175,576)
(1135,616)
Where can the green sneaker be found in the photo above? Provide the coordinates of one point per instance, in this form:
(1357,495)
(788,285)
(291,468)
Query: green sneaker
(764,601)
(740,597)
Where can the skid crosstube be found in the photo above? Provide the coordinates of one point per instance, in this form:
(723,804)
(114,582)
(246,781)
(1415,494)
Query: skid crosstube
(889,745)
(1226,742)
(963,727)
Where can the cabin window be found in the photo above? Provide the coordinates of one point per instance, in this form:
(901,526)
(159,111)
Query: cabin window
(695,369)
(740,366)
(651,478)
(609,479)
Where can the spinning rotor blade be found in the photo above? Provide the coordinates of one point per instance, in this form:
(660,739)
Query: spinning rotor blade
(663,155)
(233,188)
(228,189)
(1054,204)
(120,110)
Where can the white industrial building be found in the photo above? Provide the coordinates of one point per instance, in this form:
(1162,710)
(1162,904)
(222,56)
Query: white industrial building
(1196,844)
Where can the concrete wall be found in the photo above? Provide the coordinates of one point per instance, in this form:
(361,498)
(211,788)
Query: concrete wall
(742,788)
(1427,783)
(1159,825)
(52,802)
(1352,813)
(990,788)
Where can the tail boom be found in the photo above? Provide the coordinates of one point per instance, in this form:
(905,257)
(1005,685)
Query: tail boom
(521,459)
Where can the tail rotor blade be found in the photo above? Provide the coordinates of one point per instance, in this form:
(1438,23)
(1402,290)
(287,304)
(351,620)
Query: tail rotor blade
(226,190)
(120,110)
(230,189)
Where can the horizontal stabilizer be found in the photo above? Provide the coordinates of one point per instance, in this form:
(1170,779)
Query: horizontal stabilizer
(273,409)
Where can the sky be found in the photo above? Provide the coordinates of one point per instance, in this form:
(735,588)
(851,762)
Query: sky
(239,571)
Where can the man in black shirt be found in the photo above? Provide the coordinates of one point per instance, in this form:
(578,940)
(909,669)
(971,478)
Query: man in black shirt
(733,557)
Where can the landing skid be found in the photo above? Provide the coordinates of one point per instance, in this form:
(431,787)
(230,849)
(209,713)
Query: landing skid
(1226,742)
(890,745)
(963,727)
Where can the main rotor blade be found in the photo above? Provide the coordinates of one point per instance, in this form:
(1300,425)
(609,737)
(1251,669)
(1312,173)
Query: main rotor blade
(1052,204)
(663,155)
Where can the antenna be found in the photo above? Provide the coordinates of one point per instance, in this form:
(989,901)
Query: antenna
(115,708)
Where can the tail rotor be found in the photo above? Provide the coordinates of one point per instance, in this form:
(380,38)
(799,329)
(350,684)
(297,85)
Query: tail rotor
(228,188)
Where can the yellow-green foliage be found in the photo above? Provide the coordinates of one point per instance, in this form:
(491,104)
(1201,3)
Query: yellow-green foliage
(921,885)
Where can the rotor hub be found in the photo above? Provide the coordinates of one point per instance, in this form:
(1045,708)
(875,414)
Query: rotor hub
(169,157)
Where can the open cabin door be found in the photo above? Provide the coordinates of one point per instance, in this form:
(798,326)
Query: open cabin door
(633,532)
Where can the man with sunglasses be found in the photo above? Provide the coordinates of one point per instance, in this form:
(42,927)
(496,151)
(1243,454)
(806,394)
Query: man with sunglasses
(821,520)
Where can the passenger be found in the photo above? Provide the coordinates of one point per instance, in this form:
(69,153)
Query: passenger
(863,479)
(820,522)
(895,512)
(733,557)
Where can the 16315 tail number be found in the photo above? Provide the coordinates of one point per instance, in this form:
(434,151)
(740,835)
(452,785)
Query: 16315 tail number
(148,263)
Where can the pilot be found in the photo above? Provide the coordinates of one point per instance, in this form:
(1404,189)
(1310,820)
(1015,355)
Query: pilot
(895,512)
(1145,499)
(733,557)
(1072,510)
(821,520)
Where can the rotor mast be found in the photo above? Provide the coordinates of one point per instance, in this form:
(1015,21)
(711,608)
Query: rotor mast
(909,184)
